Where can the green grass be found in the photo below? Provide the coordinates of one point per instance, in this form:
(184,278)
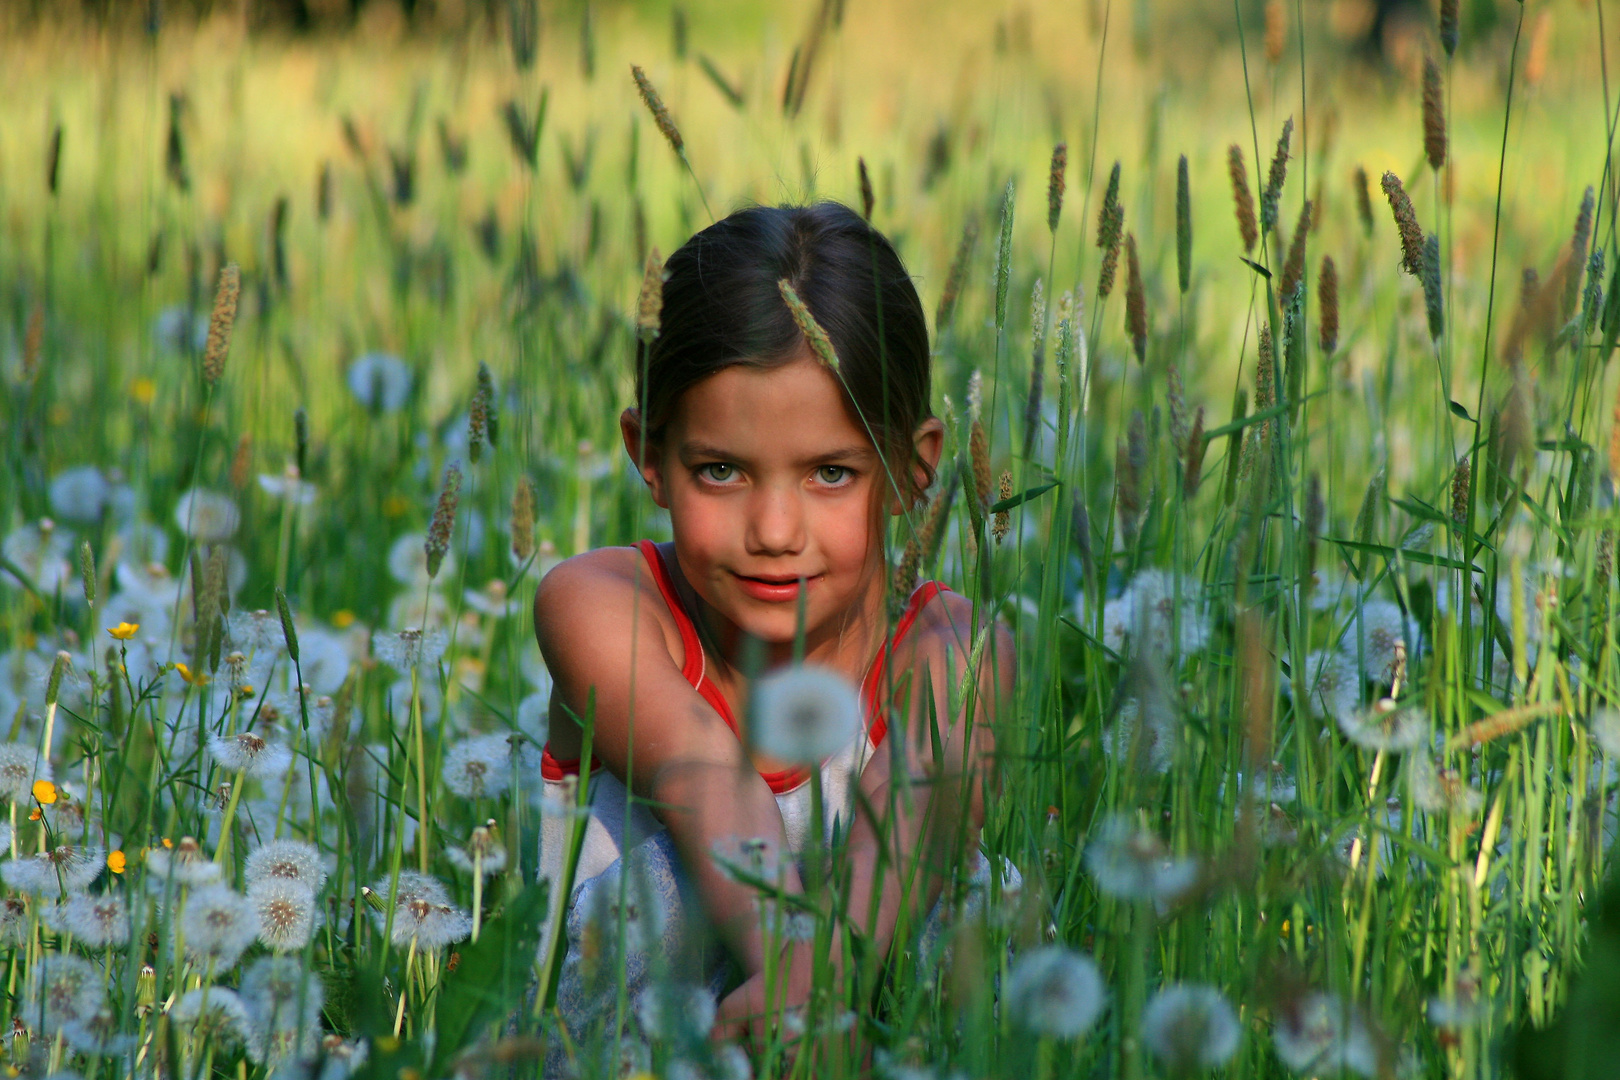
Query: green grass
(1354,871)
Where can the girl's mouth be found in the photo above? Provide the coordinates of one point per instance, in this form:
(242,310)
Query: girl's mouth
(774,589)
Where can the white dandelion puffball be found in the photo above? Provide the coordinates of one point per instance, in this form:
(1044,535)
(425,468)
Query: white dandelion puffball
(20,766)
(804,714)
(1168,612)
(208,517)
(219,925)
(670,1012)
(275,987)
(62,989)
(186,863)
(1131,863)
(479,768)
(728,1062)
(43,553)
(1189,1026)
(1387,726)
(1377,633)
(1053,990)
(288,487)
(98,921)
(1333,683)
(250,753)
(1439,790)
(410,648)
(407,564)
(290,860)
(1150,746)
(66,867)
(422,910)
(215,1011)
(1321,1033)
(80,494)
(286,912)
(1605,727)
(489,862)
(380,381)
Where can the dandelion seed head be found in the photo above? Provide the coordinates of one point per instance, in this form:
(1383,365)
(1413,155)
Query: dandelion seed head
(804,714)
(290,860)
(62,988)
(186,862)
(1439,790)
(380,381)
(68,867)
(20,766)
(96,1035)
(422,910)
(80,494)
(728,1062)
(1386,726)
(1132,864)
(1376,634)
(43,552)
(1150,743)
(1320,1033)
(215,1012)
(410,648)
(1055,991)
(286,912)
(208,517)
(1190,1026)
(1605,727)
(479,768)
(13,920)
(1333,683)
(250,753)
(274,987)
(97,921)
(219,925)
(1460,1006)
(671,1012)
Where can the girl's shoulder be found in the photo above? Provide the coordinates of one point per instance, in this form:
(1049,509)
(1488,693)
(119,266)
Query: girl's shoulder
(604,590)
(944,630)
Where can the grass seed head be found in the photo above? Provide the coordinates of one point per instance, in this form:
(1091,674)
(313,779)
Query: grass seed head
(1327,302)
(814,335)
(87,572)
(979,456)
(1004,256)
(1248,227)
(1271,198)
(1178,410)
(660,113)
(955,277)
(650,304)
(1276,30)
(1434,114)
(1577,255)
(868,200)
(1363,199)
(492,412)
(1135,301)
(221,322)
(1183,225)
(1293,272)
(1459,493)
(523,520)
(1055,185)
(33,342)
(1406,223)
(242,462)
(1003,519)
(1448,25)
(1193,467)
(444,519)
(1264,376)
(1433,299)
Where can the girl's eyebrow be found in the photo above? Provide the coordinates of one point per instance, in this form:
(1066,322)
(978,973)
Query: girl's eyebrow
(702,451)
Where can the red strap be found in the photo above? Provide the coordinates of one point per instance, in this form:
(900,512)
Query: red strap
(873,686)
(692,669)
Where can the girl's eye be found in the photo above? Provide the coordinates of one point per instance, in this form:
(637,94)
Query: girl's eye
(716,472)
(832,474)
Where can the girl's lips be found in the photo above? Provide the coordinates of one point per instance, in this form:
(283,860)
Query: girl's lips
(772,590)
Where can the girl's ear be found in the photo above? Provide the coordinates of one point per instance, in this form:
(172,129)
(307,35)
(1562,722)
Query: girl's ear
(644,455)
(929,443)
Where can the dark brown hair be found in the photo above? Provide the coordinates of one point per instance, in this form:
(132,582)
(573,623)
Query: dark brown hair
(722,307)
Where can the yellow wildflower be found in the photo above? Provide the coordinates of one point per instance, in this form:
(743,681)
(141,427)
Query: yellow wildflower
(124,630)
(45,792)
(115,861)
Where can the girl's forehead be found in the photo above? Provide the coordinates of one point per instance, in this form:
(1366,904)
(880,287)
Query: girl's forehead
(797,402)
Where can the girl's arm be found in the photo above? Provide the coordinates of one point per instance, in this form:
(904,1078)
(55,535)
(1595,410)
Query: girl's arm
(913,845)
(599,628)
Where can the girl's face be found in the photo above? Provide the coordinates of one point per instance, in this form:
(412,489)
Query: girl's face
(768,480)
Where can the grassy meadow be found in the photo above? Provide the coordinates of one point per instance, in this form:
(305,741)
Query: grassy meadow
(313,350)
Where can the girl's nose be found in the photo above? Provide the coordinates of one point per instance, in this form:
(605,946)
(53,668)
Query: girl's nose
(776,523)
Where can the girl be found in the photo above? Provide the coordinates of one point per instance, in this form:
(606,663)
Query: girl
(778,473)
